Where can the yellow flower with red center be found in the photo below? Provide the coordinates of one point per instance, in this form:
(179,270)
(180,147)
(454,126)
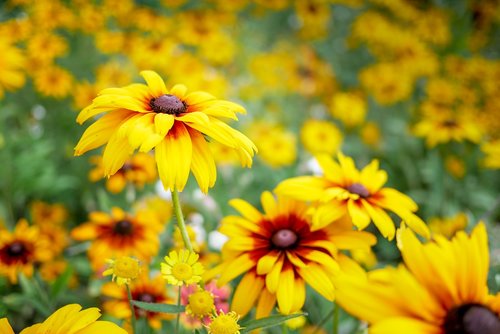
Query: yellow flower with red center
(172,122)
(279,253)
(444,284)
(21,250)
(343,190)
(139,170)
(120,234)
(69,319)
(145,289)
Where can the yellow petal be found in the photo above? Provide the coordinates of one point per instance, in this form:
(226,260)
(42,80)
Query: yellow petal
(5,327)
(247,292)
(115,154)
(155,83)
(411,326)
(202,164)
(318,279)
(265,304)
(246,209)
(285,293)
(305,188)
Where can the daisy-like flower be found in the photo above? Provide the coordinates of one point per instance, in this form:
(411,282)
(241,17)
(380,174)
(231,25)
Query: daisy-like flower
(279,252)
(200,303)
(343,190)
(224,323)
(120,234)
(444,284)
(175,124)
(182,268)
(123,270)
(145,289)
(21,250)
(69,319)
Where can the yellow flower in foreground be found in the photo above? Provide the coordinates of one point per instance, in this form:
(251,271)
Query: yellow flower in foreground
(182,268)
(224,324)
(344,190)
(69,319)
(278,253)
(173,123)
(124,269)
(442,289)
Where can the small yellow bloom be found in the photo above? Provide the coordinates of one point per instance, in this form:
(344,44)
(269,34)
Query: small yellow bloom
(224,324)
(124,269)
(182,268)
(201,303)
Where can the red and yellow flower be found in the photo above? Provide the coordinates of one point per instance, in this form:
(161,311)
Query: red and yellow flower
(279,253)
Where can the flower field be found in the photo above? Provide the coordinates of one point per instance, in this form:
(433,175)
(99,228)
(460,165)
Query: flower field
(249,166)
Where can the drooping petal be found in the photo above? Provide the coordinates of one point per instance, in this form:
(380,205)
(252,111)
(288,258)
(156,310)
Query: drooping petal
(247,292)
(115,155)
(202,164)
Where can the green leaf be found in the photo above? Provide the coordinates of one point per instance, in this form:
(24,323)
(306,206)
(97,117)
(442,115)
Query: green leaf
(27,286)
(61,283)
(270,321)
(157,307)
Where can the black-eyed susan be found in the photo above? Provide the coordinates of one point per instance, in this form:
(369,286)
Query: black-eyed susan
(53,81)
(224,323)
(361,195)
(43,213)
(139,170)
(123,269)
(21,250)
(279,253)
(182,268)
(69,319)
(120,234)
(145,288)
(172,122)
(444,284)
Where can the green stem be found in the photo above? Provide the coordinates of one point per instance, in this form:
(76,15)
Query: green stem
(180,220)
(335,318)
(133,319)
(284,329)
(178,314)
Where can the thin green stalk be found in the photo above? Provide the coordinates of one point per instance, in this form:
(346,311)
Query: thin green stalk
(180,220)
(284,329)
(133,319)
(178,314)
(324,320)
(335,318)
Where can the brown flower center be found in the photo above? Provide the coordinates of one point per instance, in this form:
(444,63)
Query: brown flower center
(14,252)
(284,238)
(168,104)
(123,227)
(358,189)
(471,319)
(146,297)
(16,249)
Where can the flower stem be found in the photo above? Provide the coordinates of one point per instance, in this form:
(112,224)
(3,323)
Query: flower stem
(335,318)
(180,220)
(178,314)
(132,310)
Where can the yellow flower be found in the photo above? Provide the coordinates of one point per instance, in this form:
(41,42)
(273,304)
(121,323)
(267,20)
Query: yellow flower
(21,250)
(444,284)
(350,108)
(277,147)
(200,303)
(120,234)
(370,134)
(224,323)
(123,269)
(182,268)
(43,213)
(344,190)
(492,151)
(172,122)
(11,66)
(448,226)
(320,137)
(69,319)
(455,166)
(278,252)
(144,289)
(53,81)
(138,170)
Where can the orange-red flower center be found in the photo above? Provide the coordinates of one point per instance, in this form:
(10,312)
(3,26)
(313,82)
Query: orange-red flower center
(471,319)
(284,238)
(358,189)
(168,104)
(123,227)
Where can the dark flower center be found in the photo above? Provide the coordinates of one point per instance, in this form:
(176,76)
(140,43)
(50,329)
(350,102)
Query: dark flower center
(123,227)
(284,238)
(168,104)
(471,319)
(450,123)
(16,249)
(358,189)
(146,297)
